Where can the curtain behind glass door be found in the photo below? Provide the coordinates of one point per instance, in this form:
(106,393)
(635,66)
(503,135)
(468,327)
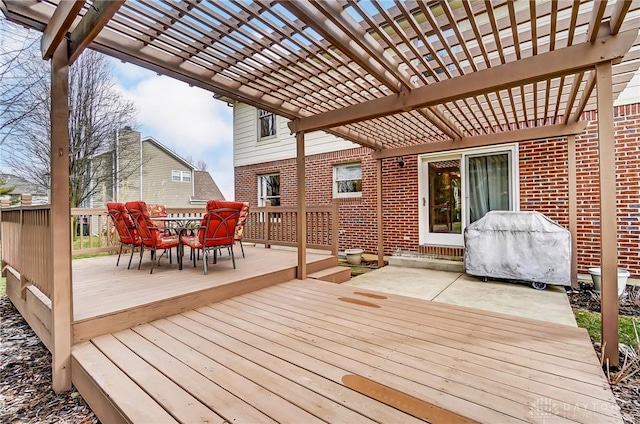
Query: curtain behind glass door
(489,187)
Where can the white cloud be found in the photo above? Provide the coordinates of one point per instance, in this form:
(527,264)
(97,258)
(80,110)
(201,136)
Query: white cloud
(186,119)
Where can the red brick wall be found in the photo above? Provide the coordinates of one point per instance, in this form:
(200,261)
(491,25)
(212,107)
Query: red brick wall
(543,188)
(627,121)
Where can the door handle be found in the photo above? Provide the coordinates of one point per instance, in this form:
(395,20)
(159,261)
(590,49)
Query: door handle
(424,201)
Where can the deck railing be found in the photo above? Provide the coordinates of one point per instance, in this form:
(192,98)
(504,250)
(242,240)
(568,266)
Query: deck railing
(26,234)
(26,245)
(92,230)
(276,225)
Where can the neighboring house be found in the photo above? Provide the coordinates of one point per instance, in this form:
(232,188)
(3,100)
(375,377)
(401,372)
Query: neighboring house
(40,195)
(205,188)
(429,199)
(148,170)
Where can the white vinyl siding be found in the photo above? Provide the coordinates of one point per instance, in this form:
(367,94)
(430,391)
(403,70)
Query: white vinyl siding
(248,150)
(158,185)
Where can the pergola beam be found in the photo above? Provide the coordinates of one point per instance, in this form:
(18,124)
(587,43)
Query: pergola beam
(525,134)
(542,67)
(56,29)
(91,24)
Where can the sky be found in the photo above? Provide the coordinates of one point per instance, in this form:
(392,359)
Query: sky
(188,120)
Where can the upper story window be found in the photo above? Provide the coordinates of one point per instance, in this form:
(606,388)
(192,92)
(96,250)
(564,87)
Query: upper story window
(266,124)
(269,189)
(347,180)
(181,176)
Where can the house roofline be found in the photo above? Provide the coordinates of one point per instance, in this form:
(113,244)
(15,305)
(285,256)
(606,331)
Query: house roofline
(169,151)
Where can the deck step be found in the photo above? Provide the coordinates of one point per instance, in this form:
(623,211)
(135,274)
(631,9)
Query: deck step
(427,263)
(111,393)
(322,264)
(336,274)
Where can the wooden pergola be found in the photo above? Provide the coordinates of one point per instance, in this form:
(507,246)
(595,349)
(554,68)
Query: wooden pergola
(403,78)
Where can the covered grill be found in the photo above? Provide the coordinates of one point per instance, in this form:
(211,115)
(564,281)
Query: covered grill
(522,246)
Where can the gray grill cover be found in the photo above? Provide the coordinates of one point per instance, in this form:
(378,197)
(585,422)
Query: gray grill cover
(524,246)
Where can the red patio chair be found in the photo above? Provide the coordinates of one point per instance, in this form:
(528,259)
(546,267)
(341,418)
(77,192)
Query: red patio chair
(152,237)
(125,227)
(215,232)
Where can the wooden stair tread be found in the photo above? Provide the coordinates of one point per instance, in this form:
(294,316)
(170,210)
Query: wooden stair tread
(335,274)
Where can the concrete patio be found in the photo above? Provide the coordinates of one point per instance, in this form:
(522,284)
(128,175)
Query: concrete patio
(456,288)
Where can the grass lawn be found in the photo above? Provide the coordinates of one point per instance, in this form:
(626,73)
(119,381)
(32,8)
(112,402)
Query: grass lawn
(3,286)
(591,321)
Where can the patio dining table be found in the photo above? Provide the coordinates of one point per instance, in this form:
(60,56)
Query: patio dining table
(180,225)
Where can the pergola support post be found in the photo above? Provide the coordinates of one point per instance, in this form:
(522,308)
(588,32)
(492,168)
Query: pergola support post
(61,298)
(301,222)
(573,208)
(379,213)
(608,216)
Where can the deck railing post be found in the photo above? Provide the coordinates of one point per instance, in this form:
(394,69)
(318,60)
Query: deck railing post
(335,226)
(268,229)
(5,202)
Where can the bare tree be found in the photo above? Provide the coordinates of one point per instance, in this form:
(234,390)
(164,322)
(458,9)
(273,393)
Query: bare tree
(97,111)
(202,165)
(21,69)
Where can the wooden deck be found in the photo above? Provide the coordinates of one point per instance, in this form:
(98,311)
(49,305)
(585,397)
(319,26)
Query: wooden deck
(308,351)
(107,298)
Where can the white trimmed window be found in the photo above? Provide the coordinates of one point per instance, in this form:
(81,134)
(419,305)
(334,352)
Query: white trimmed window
(266,124)
(269,189)
(181,176)
(347,180)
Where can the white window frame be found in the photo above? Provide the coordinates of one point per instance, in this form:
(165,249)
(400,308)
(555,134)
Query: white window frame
(441,239)
(178,176)
(337,195)
(264,113)
(262,189)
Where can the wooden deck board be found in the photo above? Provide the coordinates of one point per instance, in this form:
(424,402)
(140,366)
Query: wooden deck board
(459,330)
(109,298)
(312,375)
(458,356)
(408,351)
(101,288)
(537,340)
(306,351)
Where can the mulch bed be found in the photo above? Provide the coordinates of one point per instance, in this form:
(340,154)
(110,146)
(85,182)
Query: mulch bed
(25,377)
(26,395)
(627,392)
